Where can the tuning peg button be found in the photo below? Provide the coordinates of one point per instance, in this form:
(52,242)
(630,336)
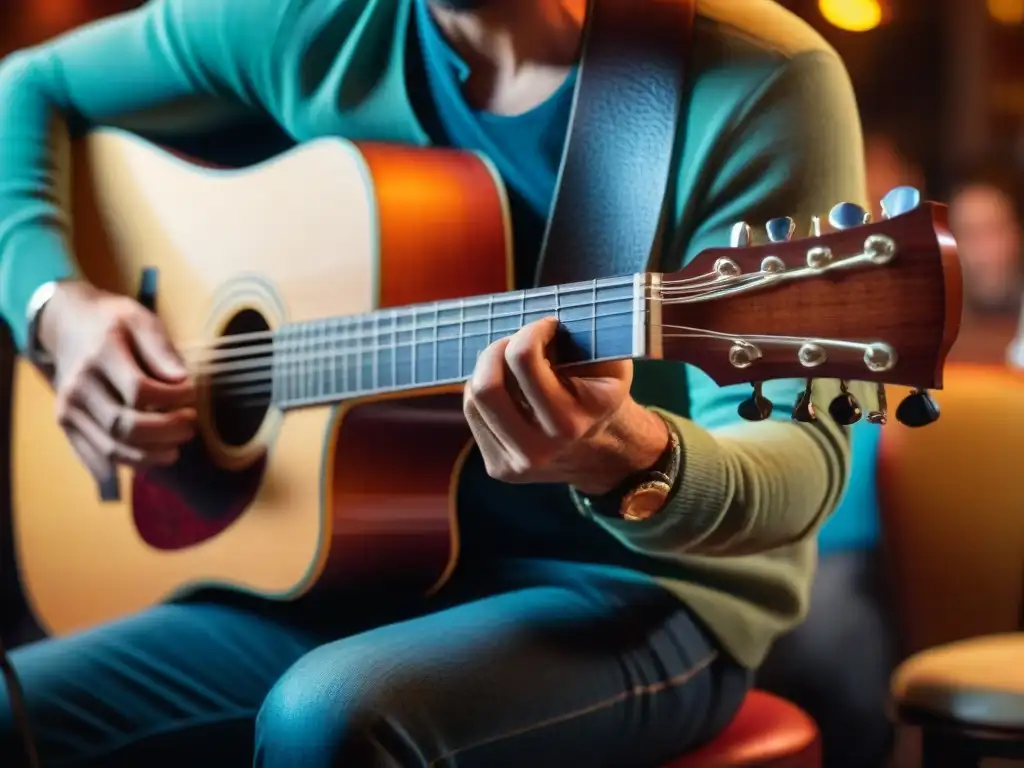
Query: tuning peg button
(741,235)
(918,409)
(803,411)
(781,229)
(879,416)
(844,408)
(757,407)
(847,216)
(900,200)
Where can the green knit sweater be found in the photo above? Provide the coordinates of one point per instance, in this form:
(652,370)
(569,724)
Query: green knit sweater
(771,130)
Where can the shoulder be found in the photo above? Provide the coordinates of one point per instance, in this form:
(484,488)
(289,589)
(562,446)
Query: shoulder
(741,48)
(756,31)
(335,61)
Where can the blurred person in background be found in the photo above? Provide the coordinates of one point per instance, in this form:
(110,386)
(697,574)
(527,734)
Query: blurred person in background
(837,664)
(888,166)
(985,218)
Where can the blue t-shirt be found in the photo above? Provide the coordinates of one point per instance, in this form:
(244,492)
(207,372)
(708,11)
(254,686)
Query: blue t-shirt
(526,150)
(855,523)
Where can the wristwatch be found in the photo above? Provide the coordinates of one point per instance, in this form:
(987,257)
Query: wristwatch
(33,351)
(642,495)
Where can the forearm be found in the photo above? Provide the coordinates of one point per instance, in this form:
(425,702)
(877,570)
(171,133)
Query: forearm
(172,66)
(33,225)
(746,489)
(742,487)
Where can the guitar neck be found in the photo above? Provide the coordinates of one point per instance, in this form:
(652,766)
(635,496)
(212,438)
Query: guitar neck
(427,345)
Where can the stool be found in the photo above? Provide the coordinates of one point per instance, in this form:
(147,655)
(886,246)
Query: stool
(967,698)
(767,732)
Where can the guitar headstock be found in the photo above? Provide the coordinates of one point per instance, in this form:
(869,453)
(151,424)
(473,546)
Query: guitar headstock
(858,300)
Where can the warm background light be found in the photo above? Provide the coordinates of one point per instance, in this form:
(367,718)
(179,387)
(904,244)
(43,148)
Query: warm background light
(853,15)
(1006,11)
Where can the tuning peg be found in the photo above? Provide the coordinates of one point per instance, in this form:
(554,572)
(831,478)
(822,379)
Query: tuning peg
(847,216)
(900,200)
(879,416)
(781,229)
(741,235)
(815,226)
(844,408)
(918,409)
(803,411)
(757,407)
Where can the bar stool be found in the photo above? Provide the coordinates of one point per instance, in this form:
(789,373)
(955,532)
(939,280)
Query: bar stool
(967,698)
(767,732)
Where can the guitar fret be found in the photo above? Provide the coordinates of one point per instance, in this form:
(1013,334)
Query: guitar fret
(338,355)
(490,322)
(317,357)
(376,351)
(437,320)
(414,345)
(462,335)
(398,348)
(299,363)
(351,351)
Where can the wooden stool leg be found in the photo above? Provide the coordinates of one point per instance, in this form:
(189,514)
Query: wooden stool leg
(942,749)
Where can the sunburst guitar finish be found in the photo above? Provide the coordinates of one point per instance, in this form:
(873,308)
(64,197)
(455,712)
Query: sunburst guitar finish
(331,303)
(280,503)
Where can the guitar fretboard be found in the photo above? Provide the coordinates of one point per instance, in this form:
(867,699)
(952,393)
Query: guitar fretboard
(435,344)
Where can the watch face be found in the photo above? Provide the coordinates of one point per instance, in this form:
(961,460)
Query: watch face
(645,502)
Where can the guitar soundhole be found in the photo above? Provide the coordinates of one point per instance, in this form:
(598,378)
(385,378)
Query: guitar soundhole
(196,499)
(240,388)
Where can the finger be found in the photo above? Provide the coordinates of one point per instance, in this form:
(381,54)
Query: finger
(498,461)
(553,405)
(156,352)
(139,390)
(141,429)
(112,451)
(503,416)
(98,467)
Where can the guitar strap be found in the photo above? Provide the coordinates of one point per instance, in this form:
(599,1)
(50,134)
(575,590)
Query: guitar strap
(607,215)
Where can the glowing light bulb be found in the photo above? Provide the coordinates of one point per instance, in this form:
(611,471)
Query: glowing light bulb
(1007,12)
(852,15)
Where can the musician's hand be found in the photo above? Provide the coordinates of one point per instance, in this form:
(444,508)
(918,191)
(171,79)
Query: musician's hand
(534,424)
(123,394)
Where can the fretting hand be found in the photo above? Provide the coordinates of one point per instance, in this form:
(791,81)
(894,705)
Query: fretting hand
(123,395)
(579,426)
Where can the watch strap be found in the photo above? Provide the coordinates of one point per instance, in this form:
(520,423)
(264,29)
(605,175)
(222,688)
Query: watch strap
(37,302)
(640,495)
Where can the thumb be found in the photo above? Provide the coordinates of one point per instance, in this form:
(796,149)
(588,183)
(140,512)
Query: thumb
(157,353)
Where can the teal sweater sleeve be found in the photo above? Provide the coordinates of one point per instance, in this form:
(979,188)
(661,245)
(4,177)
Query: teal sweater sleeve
(784,143)
(181,65)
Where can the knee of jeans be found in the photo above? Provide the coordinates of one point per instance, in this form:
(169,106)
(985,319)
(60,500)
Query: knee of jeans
(321,713)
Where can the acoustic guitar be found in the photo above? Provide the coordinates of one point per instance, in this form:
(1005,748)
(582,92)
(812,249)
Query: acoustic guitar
(332,301)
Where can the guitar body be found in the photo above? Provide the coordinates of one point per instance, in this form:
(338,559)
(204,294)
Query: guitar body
(283,503)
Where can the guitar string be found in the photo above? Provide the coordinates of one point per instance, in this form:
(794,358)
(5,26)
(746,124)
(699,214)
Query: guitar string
(261,395)
(301,340)
(392,316)
(318,345)
(259,373)
(315,342)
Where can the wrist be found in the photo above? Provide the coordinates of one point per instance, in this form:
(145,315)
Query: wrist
(44,323)
(630,444)
(641,495)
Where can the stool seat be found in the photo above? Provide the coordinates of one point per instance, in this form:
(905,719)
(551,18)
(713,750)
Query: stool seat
(977,682)
(767,732)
